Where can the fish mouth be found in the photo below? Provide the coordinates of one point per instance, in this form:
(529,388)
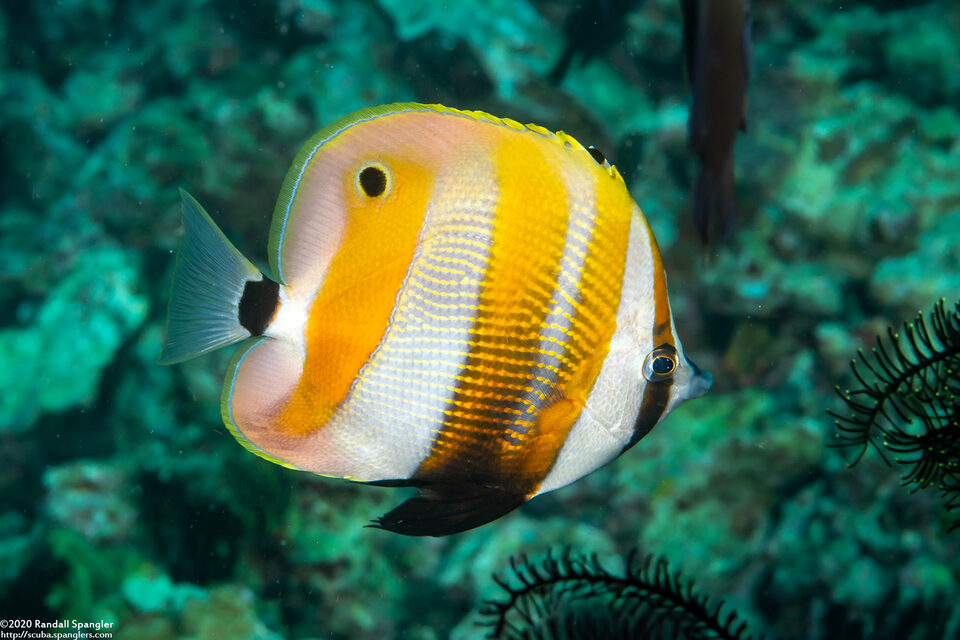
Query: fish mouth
(700,381)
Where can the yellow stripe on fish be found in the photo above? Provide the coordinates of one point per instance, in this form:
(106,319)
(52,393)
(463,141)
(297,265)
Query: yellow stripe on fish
(463,304)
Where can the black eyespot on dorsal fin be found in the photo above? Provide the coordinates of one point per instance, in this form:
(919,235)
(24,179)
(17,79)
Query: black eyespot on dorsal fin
(373,180)
(444,509)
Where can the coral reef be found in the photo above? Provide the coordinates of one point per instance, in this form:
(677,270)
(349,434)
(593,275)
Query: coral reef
(125,499)
(54,359)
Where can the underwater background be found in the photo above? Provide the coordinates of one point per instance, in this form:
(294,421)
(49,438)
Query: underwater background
(123,497)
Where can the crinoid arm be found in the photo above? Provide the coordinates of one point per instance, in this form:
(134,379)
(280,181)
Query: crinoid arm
(574,596)
(906,403)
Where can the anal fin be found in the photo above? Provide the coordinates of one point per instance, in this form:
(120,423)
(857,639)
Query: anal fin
(444,509)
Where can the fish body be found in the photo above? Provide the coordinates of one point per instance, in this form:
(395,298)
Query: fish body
(459,303)
(718,51)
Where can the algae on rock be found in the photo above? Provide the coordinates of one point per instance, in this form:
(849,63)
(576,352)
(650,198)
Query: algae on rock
(55,362)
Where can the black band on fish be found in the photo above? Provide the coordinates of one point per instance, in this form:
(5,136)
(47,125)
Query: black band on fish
(656,396)
(258,305)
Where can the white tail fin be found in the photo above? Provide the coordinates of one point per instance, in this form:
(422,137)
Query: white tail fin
(208,283)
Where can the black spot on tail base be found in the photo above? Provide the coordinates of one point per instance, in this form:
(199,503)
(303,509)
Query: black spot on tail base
(258,304)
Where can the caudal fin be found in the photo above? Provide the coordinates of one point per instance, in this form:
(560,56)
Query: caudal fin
(209,281)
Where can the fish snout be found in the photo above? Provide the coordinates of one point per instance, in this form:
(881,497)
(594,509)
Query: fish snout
(699,383)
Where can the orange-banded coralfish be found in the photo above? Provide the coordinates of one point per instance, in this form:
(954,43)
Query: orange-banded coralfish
(459,303)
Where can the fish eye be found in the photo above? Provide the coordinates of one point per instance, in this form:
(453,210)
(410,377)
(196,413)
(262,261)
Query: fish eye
(598,156)
(660,364)
(372,180)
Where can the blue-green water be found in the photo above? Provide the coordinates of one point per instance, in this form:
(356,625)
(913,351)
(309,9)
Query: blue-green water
(124,499)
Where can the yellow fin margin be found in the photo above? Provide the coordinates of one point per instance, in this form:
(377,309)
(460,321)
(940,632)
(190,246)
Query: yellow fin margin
(226,408)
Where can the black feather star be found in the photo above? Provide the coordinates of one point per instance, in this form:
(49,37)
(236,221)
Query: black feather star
(908,403)
(573,596)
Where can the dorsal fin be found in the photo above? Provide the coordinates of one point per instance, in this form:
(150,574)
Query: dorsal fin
(294,180)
